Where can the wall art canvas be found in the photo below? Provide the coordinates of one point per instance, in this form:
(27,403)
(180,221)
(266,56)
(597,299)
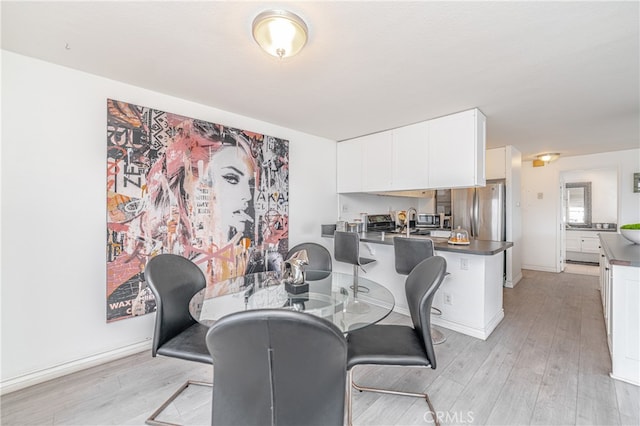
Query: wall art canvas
(211,193)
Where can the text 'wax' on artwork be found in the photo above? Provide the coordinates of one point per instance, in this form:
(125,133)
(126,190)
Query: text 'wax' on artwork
(216,195)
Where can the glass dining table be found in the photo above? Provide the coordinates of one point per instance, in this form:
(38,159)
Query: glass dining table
(330,295)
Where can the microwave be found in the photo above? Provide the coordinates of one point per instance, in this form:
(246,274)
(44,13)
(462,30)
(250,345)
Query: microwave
(425,220)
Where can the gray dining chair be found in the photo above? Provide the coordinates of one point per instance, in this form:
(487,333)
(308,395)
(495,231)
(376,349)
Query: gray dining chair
(319,256)
(174,280)
(409,252)
(401,345)
(277,367)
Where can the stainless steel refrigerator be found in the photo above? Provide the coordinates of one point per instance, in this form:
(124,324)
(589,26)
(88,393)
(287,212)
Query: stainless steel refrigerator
(481,211)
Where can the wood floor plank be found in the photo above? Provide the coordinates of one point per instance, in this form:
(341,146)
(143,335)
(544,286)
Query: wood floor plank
(628,397)
(547,363)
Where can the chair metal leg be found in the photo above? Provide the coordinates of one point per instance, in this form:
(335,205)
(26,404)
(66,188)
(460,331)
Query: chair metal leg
(152,419)
(349,391)
(432,411)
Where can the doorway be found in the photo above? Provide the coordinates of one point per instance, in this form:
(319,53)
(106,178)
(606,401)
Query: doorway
(588,206)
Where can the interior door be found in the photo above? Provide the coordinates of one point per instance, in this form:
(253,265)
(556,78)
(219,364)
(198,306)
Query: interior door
(563,225)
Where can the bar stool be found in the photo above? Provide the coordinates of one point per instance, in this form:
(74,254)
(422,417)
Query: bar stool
(409,252)
(346,249)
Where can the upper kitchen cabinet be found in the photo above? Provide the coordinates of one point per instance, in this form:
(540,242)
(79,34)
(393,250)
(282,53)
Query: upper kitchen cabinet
(364,163)
(447,152)
(457,150)
(496,165)
(376,167)
(349,166)
(409,166)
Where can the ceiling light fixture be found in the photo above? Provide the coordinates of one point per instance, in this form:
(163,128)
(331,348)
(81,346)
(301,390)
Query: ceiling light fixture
(544,159)
(280,33)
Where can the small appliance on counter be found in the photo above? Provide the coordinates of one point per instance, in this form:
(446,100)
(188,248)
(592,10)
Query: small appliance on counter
(426,220)
(446,222)
(380,223)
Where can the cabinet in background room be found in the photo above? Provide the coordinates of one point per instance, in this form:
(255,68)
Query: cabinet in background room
(582,246)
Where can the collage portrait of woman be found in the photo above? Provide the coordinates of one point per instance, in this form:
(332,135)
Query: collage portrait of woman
(211,193)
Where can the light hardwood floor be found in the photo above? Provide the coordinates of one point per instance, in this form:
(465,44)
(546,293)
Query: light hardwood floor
(547,363)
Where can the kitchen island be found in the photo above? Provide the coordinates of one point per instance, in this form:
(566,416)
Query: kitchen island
(620,293)
(470,297)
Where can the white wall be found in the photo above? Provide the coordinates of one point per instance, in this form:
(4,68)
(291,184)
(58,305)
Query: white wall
(541,202)
(53,243)
(604,191)
(352,205)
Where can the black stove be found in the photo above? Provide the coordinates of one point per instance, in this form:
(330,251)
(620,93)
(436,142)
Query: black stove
(380,223)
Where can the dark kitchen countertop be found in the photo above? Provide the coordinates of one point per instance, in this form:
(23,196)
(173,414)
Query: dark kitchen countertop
(593,229)
(478,247)
(619,250)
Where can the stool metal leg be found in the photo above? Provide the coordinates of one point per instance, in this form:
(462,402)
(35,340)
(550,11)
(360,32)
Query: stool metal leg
(437,337)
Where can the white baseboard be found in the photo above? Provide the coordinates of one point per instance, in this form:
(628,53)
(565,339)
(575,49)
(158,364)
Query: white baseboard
(21,382)
(514,282)
(539,268)
(625,379)
(470,331)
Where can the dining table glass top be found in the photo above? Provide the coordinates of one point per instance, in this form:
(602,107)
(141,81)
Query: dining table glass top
(330,295)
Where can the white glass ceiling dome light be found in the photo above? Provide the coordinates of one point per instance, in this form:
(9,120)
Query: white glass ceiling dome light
(280,33)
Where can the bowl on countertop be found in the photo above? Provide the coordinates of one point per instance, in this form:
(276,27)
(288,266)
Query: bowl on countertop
(631,233)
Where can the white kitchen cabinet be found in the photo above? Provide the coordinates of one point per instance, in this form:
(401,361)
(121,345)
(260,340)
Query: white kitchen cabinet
(572,242)
(363,164)
(496,164)
(410,157)
(590,244)
(605,294)
(582,246)
(349,166)
(447,152)
(376,156)
(457,150)
(620,287)
(624,323)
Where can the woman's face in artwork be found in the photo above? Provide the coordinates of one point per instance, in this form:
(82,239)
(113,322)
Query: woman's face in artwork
(231,172)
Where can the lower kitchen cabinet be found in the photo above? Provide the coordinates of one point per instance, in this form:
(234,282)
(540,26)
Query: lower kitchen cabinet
(582,246)
(605,293)
(620,287)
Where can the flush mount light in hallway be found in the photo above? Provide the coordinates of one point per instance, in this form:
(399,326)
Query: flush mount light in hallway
(280,33)
(543,159)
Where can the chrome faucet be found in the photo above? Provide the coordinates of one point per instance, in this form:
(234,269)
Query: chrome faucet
(408,219)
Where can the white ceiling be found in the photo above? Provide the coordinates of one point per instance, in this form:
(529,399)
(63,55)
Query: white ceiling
(549,76)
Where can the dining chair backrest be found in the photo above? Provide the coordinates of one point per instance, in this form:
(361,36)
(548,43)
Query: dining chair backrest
(174,280)
(409,252)
(277,367)
(347,247)
(420,288)
(319,256)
